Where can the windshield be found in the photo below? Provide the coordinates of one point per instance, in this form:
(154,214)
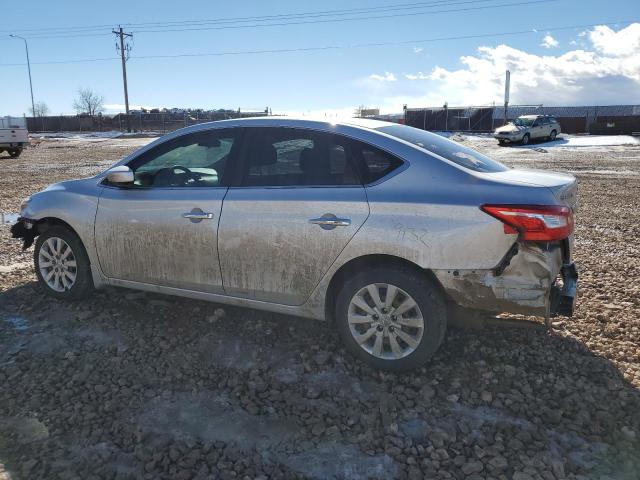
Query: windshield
(523,122)
(452,151)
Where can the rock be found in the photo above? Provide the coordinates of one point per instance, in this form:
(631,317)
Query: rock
(472,467)
(321,357)
(628,433)
(486,397)
(427,392)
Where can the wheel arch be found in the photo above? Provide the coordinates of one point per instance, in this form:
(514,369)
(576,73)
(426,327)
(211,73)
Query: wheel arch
(358,264)
(44,224)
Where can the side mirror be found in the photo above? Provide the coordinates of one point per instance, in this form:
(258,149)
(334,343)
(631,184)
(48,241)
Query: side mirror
(120,174)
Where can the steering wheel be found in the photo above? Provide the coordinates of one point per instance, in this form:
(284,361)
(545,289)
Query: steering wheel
(169,176)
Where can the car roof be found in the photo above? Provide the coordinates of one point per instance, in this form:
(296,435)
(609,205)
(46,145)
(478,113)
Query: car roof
(276,121)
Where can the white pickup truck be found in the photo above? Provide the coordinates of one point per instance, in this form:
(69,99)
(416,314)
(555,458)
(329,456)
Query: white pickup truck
(13,135)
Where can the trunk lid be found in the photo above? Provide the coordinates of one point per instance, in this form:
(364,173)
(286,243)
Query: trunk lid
(563,185)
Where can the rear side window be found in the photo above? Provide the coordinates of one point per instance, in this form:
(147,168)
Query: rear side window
(284,157)
(452,151)
(376,163)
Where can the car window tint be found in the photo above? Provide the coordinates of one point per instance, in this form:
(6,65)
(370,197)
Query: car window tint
(193,160)
(281,157)
(377,163)
(452,151)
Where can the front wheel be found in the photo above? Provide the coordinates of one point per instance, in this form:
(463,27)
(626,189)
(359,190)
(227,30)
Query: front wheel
(525,139)
(62,265)
(391,318)
(553,135)
(14,153)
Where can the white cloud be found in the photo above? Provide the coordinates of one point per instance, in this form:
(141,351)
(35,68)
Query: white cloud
(549,42)
(387,77)
(605,70)
(417,49)
(416,76)
(620,43)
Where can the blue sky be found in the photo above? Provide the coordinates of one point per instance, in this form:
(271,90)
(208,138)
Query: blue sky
(573,66)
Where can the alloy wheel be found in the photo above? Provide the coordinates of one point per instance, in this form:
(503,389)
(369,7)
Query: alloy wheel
(57,264)
(385,321)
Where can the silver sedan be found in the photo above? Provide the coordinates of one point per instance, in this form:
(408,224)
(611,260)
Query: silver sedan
(382,229)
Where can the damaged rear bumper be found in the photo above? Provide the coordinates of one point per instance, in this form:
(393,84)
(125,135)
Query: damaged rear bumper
(24,229)
(525,282)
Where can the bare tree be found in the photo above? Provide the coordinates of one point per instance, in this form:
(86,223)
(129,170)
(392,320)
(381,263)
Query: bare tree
(88,102)
(40,110)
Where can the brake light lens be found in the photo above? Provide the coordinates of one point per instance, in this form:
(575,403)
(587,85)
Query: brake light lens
(536,223)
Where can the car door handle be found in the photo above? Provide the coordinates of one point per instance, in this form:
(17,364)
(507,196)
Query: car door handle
(198,216)
(329,221)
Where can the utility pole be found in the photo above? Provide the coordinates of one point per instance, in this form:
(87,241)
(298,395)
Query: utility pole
(124,54)
(507,87)
(33,105)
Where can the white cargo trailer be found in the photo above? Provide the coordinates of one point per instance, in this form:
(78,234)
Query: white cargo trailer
(13,135)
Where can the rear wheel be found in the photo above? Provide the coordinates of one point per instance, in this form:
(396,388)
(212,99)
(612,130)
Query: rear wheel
(391,318)
(14,153)
(62,265)
(525,139)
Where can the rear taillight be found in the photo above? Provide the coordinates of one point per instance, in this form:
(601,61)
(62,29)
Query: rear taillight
(537,223)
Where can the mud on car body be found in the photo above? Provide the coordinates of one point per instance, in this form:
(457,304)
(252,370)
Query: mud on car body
(382,229)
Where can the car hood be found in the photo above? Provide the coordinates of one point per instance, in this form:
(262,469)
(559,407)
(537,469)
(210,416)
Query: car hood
(511,128)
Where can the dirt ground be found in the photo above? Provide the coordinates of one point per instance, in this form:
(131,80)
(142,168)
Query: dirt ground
(133,385)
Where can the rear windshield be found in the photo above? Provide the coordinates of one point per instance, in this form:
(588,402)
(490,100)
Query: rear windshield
(452,151)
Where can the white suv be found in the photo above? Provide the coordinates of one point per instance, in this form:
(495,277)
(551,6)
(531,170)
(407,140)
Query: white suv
(528,127)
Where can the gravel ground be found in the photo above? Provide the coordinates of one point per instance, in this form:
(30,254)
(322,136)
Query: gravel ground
(133,385)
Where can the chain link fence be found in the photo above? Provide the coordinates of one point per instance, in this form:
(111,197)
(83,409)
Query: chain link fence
(161,122)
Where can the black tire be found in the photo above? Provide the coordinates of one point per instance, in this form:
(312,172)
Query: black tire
(423,291)
(553,135)
(14,153)
(83,284)
(501,143)
(525,139)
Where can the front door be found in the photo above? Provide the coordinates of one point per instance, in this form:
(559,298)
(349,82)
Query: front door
(163,229)
(299,202)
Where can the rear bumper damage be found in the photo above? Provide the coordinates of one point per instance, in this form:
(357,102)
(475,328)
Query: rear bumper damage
(524,282)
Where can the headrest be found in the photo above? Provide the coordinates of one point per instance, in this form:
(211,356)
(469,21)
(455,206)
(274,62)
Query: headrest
(312,161)
(265,154)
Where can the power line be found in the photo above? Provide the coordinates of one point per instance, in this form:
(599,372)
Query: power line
(316,21)
(352,11)
(341,20)
(339,47)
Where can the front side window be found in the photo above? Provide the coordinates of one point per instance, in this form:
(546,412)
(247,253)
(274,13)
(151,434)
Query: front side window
(282,157)
(452,151)
(193,160)
(523,122)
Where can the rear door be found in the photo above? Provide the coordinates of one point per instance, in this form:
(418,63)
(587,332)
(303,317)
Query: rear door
(540,128)
(163,229)
(298,202)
